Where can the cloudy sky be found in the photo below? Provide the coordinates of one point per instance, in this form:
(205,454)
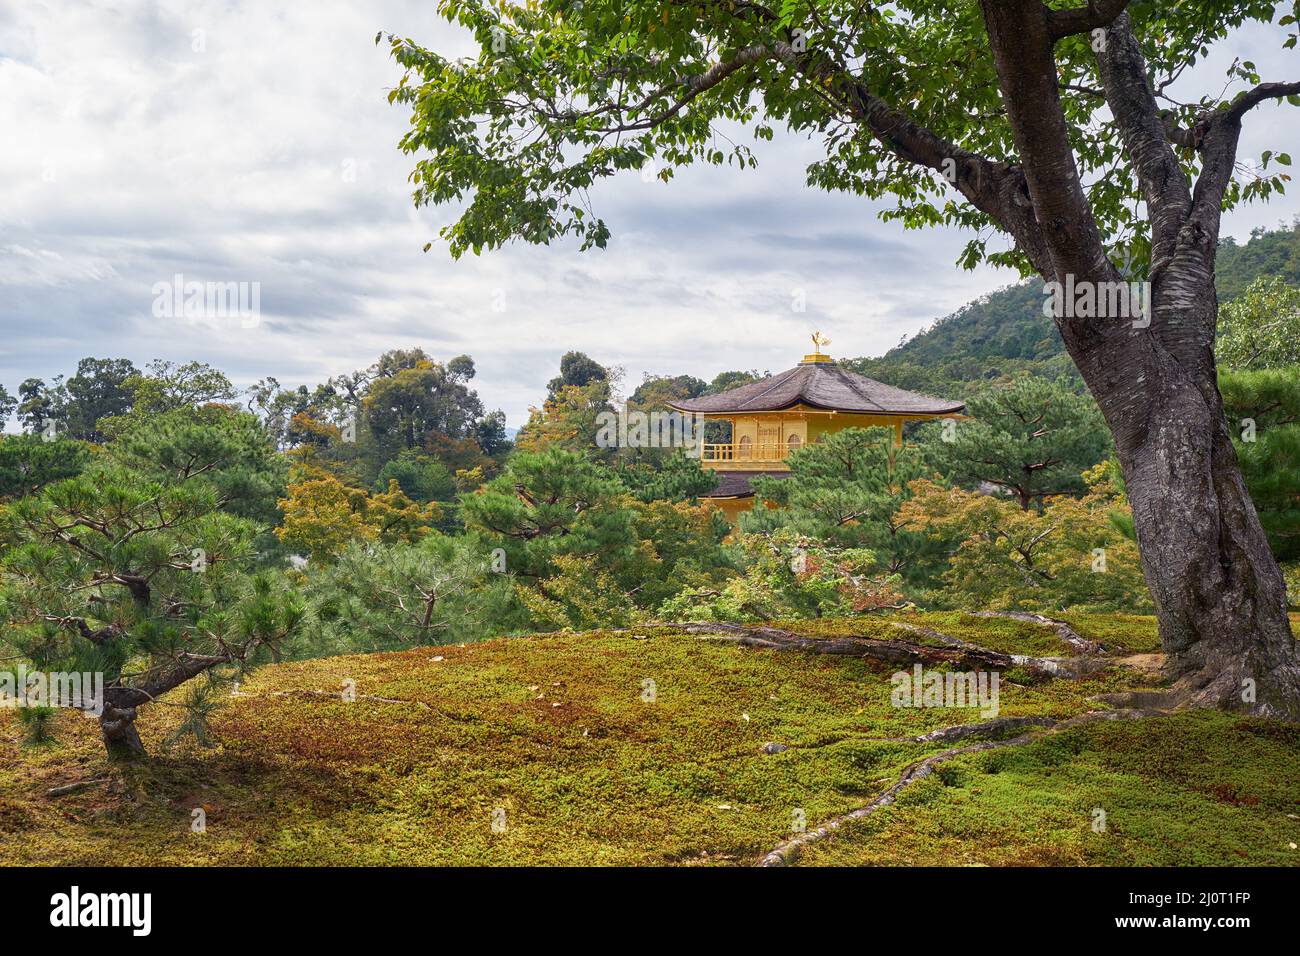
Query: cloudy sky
(253,142)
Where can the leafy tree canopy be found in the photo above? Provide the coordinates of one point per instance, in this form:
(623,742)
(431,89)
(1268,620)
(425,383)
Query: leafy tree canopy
(377,597)
(409,405)
(658,390)
(569,420)
(1072,554)
(665,476)
(167,386)
(577,369)
(221,443)
(99,389)
(787,574)
(1261,329)
(420,476)
(560,96)
(322,515)
(550,503)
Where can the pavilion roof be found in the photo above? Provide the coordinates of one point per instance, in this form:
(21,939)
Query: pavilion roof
(736,484)
(822,385)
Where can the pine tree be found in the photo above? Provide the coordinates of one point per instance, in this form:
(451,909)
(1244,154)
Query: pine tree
(1033,439)
(140,574)
(846,490)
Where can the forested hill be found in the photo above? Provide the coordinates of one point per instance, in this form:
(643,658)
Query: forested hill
(1006,331)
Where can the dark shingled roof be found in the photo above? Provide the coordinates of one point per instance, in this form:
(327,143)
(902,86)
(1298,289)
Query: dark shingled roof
(822,385)
(735,484)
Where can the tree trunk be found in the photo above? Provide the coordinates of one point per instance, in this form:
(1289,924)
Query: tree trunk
(121,738)
(1219,594)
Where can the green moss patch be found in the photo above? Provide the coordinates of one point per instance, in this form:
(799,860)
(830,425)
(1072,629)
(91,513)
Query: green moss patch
(643,747)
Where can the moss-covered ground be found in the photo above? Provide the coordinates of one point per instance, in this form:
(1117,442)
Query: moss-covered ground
(647,747)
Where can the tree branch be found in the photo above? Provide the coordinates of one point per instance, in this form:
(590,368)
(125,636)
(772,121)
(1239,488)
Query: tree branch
(997,189)
(1022,47)
(1146,138)
(100,636)
(961,654)
(788,851)
(1098,13)
(1252,98)
(181,669)
(1218,145)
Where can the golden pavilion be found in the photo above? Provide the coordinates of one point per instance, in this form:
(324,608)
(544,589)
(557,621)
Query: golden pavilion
(772,417)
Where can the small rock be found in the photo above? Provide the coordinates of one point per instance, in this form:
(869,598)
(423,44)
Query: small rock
(774,748)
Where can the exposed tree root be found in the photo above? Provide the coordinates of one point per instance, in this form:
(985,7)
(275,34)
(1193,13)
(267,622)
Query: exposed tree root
(1066,633)
(988,728)
(931,633)
(77,787)
(790,849)
(961,654)
(1143,699)
(1143,663)
(1198,690)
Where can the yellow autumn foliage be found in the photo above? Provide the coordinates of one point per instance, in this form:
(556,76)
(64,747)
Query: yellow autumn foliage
(322,514)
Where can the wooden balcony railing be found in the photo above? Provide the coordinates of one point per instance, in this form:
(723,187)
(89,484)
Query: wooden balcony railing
(747,451)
